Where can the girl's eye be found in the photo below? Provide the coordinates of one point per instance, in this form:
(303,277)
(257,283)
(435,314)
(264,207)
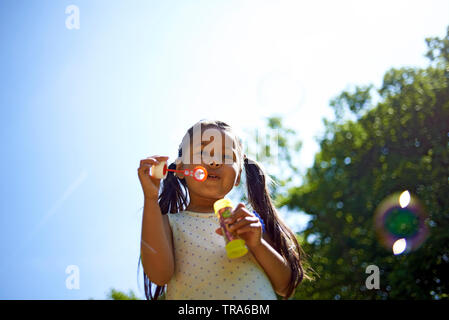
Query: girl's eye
(205,155)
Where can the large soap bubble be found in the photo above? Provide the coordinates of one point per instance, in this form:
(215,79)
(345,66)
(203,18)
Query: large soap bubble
(400,223)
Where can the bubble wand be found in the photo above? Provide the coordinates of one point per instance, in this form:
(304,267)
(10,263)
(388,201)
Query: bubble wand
(160,171)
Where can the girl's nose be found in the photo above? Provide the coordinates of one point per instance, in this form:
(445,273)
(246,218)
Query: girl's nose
(214,164)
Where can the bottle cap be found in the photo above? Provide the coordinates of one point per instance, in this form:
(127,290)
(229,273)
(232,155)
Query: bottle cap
(236,248)
(220,204)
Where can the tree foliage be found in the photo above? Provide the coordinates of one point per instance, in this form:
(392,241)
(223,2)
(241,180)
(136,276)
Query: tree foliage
(274,147)
(119,295)
(401,143)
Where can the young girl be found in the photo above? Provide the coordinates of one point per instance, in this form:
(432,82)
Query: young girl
(184,250)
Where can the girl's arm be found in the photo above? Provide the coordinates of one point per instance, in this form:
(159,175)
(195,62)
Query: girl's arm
(274,265)
(249,228)
(156,244)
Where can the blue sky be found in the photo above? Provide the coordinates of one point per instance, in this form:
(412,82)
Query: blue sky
(81,107)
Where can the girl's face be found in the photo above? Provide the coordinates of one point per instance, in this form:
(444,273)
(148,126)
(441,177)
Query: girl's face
(216,151)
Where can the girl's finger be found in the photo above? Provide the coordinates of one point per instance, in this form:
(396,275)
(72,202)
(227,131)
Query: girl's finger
(240,211)
(154,159)
(160,158)
(242,223)
(250,228)
(144,168)
(148,161)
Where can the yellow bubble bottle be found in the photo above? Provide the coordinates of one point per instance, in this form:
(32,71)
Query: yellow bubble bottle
(235,247)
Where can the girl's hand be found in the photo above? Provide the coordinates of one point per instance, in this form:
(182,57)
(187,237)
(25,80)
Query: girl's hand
(150,185)
(246,225)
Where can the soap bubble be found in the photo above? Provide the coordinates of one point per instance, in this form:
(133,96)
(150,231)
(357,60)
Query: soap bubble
(400,223)
(199,174)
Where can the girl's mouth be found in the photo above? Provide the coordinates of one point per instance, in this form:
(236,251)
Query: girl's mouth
(212,177)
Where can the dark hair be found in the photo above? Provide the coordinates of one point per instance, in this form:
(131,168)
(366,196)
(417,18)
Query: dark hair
(173,199)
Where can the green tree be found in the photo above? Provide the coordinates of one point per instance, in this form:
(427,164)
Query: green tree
(119,295)
(401,143)
(275,147)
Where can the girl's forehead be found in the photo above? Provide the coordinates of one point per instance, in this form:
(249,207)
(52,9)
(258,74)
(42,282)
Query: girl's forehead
(215,136)
(212,136)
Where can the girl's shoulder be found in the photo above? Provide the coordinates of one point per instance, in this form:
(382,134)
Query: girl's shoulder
(174,216)
(177,217)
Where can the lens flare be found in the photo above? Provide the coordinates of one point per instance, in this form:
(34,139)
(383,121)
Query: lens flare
(404,199)
(399,221)
(399,246)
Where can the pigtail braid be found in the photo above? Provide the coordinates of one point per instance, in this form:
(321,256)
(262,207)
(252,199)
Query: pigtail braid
(172,198)
(284,240)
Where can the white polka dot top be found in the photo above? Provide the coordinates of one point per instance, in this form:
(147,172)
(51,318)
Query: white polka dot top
(202,269)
